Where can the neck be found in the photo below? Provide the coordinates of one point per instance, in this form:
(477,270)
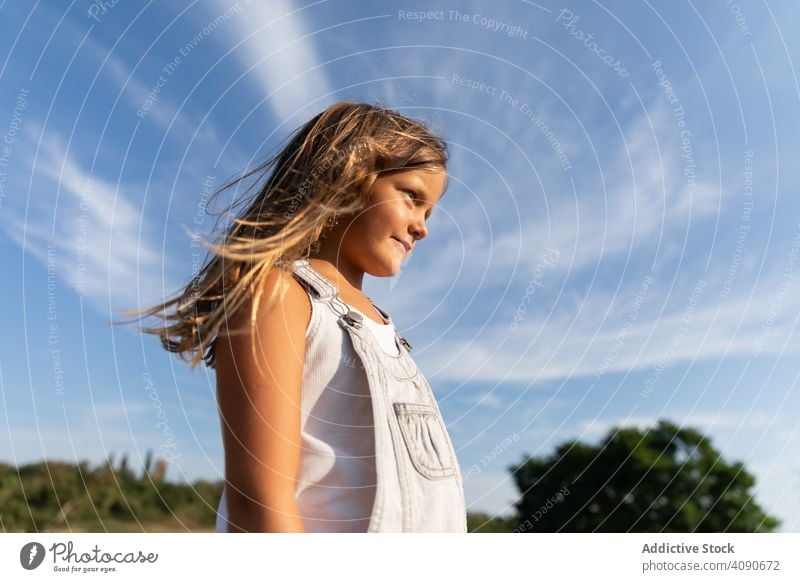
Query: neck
(341,274)
(330,262)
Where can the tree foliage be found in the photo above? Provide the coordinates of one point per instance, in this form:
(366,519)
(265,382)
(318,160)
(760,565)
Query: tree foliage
(663,479)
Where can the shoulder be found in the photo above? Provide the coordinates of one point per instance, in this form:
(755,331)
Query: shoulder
(290,310)
(263,353)
(283,309)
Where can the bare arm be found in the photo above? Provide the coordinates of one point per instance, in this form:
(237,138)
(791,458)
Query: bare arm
(261,413)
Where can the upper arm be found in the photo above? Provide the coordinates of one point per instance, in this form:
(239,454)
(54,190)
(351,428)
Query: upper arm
(259,400)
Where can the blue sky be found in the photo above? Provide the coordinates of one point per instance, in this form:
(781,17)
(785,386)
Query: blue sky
(618,243)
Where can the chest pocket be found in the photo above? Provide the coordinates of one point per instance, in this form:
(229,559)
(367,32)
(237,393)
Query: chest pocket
(425,437)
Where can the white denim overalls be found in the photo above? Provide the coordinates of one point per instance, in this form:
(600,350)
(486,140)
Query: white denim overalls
(419,487)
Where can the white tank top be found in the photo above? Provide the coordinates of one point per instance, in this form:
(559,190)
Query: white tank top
(385,334)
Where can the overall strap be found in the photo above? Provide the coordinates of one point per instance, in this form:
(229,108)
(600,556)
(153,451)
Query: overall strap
(327,291)
(321,287)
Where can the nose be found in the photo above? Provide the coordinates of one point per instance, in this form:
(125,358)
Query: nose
(418,228)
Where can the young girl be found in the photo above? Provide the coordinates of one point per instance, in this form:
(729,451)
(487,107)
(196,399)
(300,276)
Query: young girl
(328,425)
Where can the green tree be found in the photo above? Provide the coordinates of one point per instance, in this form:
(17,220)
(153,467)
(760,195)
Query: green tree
(663,479)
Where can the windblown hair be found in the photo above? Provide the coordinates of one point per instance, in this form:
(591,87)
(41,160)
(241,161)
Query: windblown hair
(326,170)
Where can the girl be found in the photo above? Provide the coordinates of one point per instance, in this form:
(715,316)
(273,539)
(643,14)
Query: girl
(328,425)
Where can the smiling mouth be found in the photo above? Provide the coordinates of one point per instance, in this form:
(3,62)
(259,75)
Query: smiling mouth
(401,245)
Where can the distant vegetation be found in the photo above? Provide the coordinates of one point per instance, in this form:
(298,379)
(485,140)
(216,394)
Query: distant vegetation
(54,496)
(664,479)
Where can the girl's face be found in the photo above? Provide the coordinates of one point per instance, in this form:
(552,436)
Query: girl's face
(378,239)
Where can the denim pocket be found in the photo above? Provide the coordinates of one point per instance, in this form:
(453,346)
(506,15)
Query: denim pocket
(426,440)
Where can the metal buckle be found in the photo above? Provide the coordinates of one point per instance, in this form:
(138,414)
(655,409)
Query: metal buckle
(405,342)
(353,318)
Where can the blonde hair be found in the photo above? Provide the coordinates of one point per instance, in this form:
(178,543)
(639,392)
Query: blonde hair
(326,169)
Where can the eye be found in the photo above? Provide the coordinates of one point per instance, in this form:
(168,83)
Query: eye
(414,196)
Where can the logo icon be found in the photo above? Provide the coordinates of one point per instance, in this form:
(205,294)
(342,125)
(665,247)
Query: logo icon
(31,555)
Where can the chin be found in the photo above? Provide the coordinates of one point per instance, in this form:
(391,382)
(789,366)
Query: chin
(390,271)
(388,268)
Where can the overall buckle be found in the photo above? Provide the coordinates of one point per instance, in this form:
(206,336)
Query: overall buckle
(353,319)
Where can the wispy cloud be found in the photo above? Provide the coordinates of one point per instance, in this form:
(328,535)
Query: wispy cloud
(278,50)
(101,247)
(574,343)
(639,192)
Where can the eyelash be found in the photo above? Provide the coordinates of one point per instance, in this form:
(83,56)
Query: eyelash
(414,196)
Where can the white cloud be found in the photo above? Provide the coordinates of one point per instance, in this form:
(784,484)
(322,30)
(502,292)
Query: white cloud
(101,248)
(277,49)
(574,342)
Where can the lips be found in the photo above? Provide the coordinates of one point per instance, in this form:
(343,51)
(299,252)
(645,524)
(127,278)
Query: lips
(406,246)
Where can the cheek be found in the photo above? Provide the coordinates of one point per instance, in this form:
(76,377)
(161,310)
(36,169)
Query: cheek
(363,231)
(392,215)
(380,221)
